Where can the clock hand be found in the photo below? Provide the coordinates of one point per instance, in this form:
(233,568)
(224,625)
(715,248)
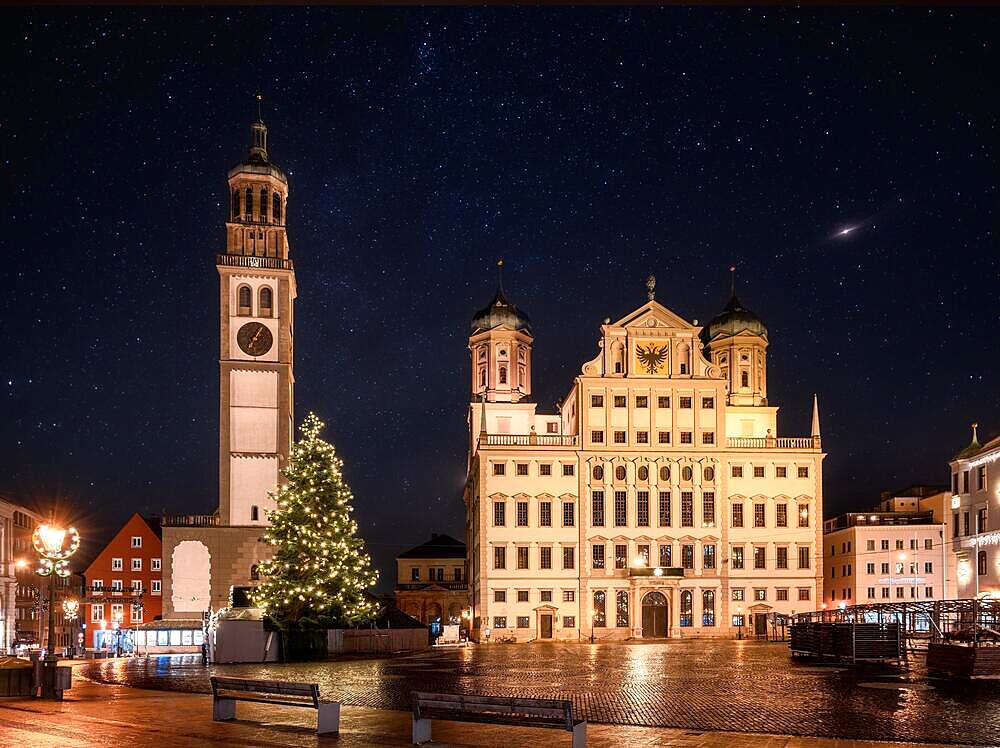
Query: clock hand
(256,335)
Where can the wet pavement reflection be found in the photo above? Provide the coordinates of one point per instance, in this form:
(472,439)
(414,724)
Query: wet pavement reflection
(699,685)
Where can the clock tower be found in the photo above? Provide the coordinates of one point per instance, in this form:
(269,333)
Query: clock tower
(256,296)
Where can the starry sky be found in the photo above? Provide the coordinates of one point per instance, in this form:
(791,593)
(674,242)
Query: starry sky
(586,147)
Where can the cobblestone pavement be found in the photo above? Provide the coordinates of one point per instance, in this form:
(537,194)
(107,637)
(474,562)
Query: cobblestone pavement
(696,685)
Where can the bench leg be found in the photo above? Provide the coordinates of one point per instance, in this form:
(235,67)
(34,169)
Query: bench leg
(328,718)
(421,731)
(580,735)
(223,709)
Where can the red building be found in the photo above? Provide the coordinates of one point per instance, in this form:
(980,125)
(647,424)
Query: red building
(124,585)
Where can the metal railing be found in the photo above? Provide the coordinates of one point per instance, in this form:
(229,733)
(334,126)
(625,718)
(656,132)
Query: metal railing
(189,520)
(410,586)
(525,440)
(772,442)
(251,261)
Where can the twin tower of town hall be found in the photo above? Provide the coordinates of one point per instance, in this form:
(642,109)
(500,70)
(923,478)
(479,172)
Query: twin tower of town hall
(658,501)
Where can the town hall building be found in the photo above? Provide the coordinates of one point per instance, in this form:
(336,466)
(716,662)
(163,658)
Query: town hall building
(658,501)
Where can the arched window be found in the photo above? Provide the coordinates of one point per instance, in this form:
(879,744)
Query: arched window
(621,612)
(236,205)
(708,608)
(254,513)
(254,571)
(243,301)
(620,472)
(482,377)
(664,473)
(598,472)
(709,474)
(263,205)
(686,608)
(266,301)
(600,613)
(520,376)
(981,562)
(503,375)
(744,379)
(643,472)
(248,204)
(276,200)
(687,473)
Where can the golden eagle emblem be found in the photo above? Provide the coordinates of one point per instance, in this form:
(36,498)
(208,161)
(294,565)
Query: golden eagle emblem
(651,357)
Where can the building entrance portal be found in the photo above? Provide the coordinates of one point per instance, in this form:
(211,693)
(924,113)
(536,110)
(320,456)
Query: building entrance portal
(546,621)
(654,616)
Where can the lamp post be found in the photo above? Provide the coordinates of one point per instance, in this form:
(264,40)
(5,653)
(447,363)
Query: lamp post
(54,545)
(70,609)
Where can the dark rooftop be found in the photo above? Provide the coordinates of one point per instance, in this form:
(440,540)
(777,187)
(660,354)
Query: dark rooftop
(439,546)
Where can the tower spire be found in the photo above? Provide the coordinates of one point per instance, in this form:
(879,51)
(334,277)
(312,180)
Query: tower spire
(500,275)
(260,116)
(258,135)
(815,423)
(732,280)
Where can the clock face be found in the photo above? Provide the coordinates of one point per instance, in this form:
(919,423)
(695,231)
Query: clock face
(254,339)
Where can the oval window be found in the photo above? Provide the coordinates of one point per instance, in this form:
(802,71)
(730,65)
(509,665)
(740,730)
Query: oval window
(687,472)
(643,473)
(664,473)
(620,472)
(709,474)
(598,472)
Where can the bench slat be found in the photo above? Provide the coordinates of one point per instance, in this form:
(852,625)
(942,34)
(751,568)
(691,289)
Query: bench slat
(497,709)
(514,700)
(450,706)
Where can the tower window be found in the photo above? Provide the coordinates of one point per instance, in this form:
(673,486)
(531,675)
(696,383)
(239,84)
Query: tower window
(266,301)
(254,513)
(276,199)
(236,205)
(263,205)
(482,377)
(248,204)
(503,375)
(244,299)
(744,379)
(254,570)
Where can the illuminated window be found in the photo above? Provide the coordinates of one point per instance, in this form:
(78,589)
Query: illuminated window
(686,608)
(642,508)
(737,515)
(600,612)
(597,401)
(244,299)
(266,301)
(708,608)
(597,556)
(664,509)
(597,508)
(621,609)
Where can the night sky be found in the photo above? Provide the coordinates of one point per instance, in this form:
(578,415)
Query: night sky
(587,148)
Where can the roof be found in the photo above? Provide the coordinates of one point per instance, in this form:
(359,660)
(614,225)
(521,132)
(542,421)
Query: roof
(734,319)
(500,312)
(439,546)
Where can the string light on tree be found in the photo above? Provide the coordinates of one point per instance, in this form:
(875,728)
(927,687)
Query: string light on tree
(319,570)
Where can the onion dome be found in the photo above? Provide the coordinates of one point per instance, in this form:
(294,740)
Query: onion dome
(500,312)
(734,319)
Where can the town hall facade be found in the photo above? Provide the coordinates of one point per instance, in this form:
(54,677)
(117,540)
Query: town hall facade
(659,501)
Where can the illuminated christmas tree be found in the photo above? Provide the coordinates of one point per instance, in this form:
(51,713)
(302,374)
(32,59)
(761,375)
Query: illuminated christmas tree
(320,570)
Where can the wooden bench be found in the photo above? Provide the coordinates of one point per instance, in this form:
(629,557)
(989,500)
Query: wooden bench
(501,710)
(227,691)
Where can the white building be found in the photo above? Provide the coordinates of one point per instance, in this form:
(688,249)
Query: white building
(975,519)
(658,501)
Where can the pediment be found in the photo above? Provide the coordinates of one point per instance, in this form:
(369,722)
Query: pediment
(568,496)
(643,539)
(545,497)
(597,539)
(498,496)
(522,496)
(652,316)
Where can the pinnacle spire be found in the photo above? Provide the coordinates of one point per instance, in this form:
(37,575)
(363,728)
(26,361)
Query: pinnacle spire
(258,135)
(732,280)
(815,420)
(500,275)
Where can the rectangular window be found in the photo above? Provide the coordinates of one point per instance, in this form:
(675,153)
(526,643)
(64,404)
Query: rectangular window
(569,622)
(117,564)
(737,515)
(871,593)
(662,402)
(737,556)
(415,574)
(804,515)
(135,614)
(597,437)
(500,557)
(116,586)
(781,515)
(545,557)
(870,568)
(666,554)
(781,594)
(569,514)
(967,530)
(597,555)
(965,483)
(928,544)
(136,541)
(136,564)
(522,596)
(522,514)
(759,594)
(643,553)
(663,437)
(499,622)
(600,609)
(803,593)
(870,545)
(522,557)
(708,437)
(885,568)
(619,437)
(621,556)
(545,596)
(569,558)
(980,479)
(981,520)
(96,612)
(758,515)
(687,556)
(955,526)
(641,401)
(545,513)
(597,508)
(759,557)
(621,609)
(928,592)
(97,586)
(154,564)
(803,472)
(884,545)
(913,544)
(738,594)
(569,596)
(804,557)
(136,586)
(522,622)
(664,509)
(737,471)
(781,471)
(687,509)
(642,508)
(569,471)
(621,509)
(620,401)
(686,437)
(499,596)
(597,401)
(708,508)
(155,586)
(521,468)
(928,567)
(499,513)
(685,402)
(758,471)
(499,468)
(708,556)
(708,403)
(642,437)
(545,469)
(781,558)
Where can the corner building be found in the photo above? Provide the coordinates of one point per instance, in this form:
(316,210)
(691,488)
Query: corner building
(659,501)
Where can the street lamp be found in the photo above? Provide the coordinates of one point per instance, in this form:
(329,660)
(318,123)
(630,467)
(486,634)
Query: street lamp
(55,545)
